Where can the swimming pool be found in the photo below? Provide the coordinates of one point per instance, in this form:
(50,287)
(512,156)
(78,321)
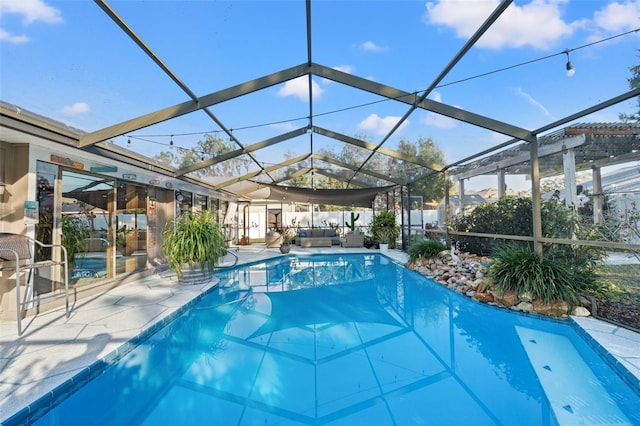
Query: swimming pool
(351,339)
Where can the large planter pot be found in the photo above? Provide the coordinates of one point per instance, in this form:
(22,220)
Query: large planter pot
(285,248)
(192,275)
(384,247)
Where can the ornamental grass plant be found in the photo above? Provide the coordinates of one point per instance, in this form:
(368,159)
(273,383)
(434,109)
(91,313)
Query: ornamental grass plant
(544,277)
(425,249)
(193,238)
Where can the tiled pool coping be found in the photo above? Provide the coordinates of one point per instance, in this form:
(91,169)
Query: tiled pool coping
(50,399)
(619,367)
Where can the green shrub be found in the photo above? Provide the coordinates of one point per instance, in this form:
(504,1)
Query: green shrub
(512,216)
(544,277)
(509,216)
(425,249)
(384,228)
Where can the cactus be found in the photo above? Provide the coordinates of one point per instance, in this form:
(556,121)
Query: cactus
(352,225)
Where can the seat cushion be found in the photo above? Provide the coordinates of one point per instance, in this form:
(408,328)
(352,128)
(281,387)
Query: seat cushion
(315,233)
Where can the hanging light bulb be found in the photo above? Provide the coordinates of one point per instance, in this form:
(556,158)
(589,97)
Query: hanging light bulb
(171,141)
(570,70)
(129,141)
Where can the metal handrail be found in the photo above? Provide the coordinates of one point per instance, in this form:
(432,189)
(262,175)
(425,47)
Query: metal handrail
(234,255)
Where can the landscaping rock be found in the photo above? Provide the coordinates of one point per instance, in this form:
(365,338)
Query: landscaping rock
(554,309)
(508,298)
(484,297)
(525,297)
(525,306)
(470,277)
(580,311)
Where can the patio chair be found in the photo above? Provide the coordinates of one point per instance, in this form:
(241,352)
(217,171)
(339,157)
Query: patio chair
(355,239)
(17,254)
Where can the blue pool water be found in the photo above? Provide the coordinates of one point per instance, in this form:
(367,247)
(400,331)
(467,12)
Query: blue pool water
(351,340)
(94,265)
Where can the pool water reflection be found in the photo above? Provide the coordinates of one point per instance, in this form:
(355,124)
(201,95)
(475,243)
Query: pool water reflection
(352,339)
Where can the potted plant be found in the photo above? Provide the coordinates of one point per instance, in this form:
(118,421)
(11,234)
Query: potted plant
(193,243)
(385,236)
(384,229)
(288,234)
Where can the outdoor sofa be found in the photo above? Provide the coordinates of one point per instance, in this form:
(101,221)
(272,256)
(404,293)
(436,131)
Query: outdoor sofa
(317,237)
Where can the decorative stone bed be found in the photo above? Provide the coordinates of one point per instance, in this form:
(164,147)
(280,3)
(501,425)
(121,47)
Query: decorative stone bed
(469,277)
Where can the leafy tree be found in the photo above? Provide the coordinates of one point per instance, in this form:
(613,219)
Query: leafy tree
(430,188)
(355,156)
(211,146)
(634,82)
(284,172)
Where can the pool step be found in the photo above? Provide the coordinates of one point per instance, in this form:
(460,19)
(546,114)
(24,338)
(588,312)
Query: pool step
(574,393)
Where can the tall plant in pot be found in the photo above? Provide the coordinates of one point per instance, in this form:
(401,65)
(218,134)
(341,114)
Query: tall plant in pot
(193,244)
(288,236)
(384,228)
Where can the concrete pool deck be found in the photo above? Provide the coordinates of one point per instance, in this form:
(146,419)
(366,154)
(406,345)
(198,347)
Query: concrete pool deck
(54,348)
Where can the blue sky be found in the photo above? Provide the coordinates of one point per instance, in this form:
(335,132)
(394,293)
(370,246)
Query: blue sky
(68,61)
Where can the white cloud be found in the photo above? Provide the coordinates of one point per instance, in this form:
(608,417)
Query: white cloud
(617,17)
(76,109)
(532,101)
(299,87)
(369,46)
(381,125)
(11,38)
(32,11)
(284,127)
(436,120)
(440,121)
(344,68)
(538,24)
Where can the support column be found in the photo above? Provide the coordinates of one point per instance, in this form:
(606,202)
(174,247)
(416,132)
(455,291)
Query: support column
(502,185)
(447,207)
(535,196)
(405,244)
(598,196)
(569,164)
(402,227)
(461,190)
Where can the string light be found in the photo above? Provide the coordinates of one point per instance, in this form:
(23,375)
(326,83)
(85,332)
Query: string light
(570,70)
